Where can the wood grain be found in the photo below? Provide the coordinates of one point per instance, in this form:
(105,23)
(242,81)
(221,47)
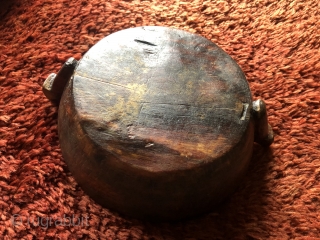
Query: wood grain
(158,116)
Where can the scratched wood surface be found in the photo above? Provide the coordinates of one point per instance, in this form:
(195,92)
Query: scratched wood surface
(156,123)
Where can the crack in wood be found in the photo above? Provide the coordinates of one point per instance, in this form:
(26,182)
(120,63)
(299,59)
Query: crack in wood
(145,42)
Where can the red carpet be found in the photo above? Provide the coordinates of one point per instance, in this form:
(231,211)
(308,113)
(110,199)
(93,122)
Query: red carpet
(277,44)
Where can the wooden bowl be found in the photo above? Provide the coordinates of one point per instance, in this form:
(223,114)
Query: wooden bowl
(157,123)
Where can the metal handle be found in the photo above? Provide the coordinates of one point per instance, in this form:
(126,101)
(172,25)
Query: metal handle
(54,85)
(263,131)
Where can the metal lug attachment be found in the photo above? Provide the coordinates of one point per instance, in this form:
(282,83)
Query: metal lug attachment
(263,131)
(54,85)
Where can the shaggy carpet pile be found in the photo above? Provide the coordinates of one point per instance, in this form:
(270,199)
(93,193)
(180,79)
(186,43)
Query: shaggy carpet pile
(275,42)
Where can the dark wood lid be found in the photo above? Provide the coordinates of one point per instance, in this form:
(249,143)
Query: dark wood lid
(161,99)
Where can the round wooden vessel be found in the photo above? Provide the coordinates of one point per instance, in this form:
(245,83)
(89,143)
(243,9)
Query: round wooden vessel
(157,123)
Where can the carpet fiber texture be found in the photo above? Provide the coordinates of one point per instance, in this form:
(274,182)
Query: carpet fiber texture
(275,42)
